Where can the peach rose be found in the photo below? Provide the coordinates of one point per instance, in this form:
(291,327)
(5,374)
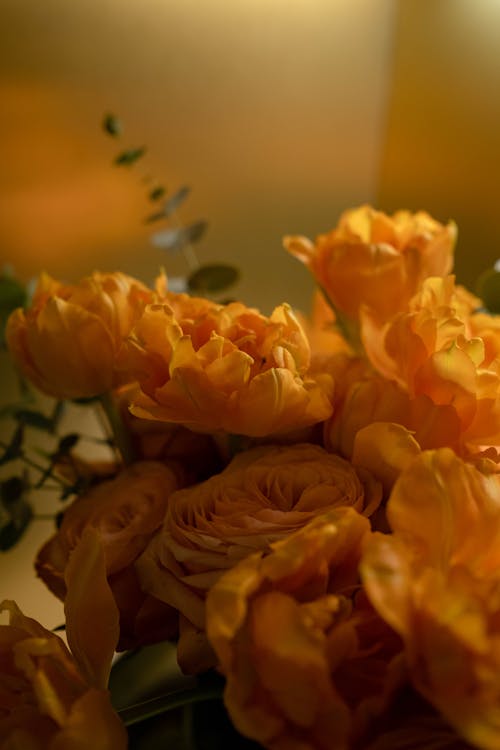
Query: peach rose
(306,665)
(68,341)
(228,368)
(374,260)
(126,512)
(263,495)
(51,699)
(436,581)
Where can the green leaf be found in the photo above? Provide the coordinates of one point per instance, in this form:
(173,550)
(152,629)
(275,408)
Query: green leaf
(176,238)
(170,206)
(156,193)
(488,288)
(12,295)
(14,448)
(11,490)
(33,418)
(67,442)
(15,512)
(156,216)
(112,125)
(129,157)
(176,200)
(213,278)
(162,704)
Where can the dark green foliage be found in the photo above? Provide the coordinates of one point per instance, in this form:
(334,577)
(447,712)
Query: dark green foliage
(176,238)
(15,511)
(129,157)
(12,295)
(212,278)
(112,125)
(488,288)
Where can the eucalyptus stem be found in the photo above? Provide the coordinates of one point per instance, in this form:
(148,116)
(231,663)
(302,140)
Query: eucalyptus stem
(29,462)
(158,706)
(120,434)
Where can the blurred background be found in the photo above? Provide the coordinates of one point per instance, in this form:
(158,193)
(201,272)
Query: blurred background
(278,113)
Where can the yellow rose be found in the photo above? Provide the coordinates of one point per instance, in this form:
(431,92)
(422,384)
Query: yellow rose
(306,664)
(374,260)
(126,512)
(213,367)
(436,581)
(67,342)
(263,495)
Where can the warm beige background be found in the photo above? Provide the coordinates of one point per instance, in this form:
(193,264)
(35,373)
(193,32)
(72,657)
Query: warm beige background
(442,144)
(272,110)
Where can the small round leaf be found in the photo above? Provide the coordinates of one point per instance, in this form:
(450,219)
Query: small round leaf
(213,278)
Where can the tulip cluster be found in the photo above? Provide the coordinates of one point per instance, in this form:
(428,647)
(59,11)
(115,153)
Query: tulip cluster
(310,506)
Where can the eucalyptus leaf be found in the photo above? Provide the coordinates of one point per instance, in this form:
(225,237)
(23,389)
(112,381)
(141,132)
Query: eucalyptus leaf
(14,520)
(12,295)
(112,125)
(129,157)
(171,205)
(213,278)
(488,288)
(11,490)
(176,200)
(34,418)
(58,413)
(156,193)
(67,442)
(14,448)
(176,238)
(156,216)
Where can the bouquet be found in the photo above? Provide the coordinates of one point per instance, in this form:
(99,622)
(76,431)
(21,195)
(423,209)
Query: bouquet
(307,507)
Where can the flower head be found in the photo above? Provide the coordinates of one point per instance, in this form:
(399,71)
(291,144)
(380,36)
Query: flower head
(302,659)
(262,496)
(436,581)
(374,260)
(67,342)
(213,367)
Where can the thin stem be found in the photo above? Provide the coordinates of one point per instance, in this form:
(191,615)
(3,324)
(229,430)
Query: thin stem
(120,433)
(157,706)
(23,457)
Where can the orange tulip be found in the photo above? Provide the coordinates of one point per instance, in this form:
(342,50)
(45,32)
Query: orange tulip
(436,581)
(50,699)
(263,495)
(430,352)
(374,260)
(67,342)
(213,367)
(304,664)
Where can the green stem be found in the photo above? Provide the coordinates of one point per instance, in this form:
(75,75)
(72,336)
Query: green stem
(348,328)
(120,434)
(29,462)
(158,706)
